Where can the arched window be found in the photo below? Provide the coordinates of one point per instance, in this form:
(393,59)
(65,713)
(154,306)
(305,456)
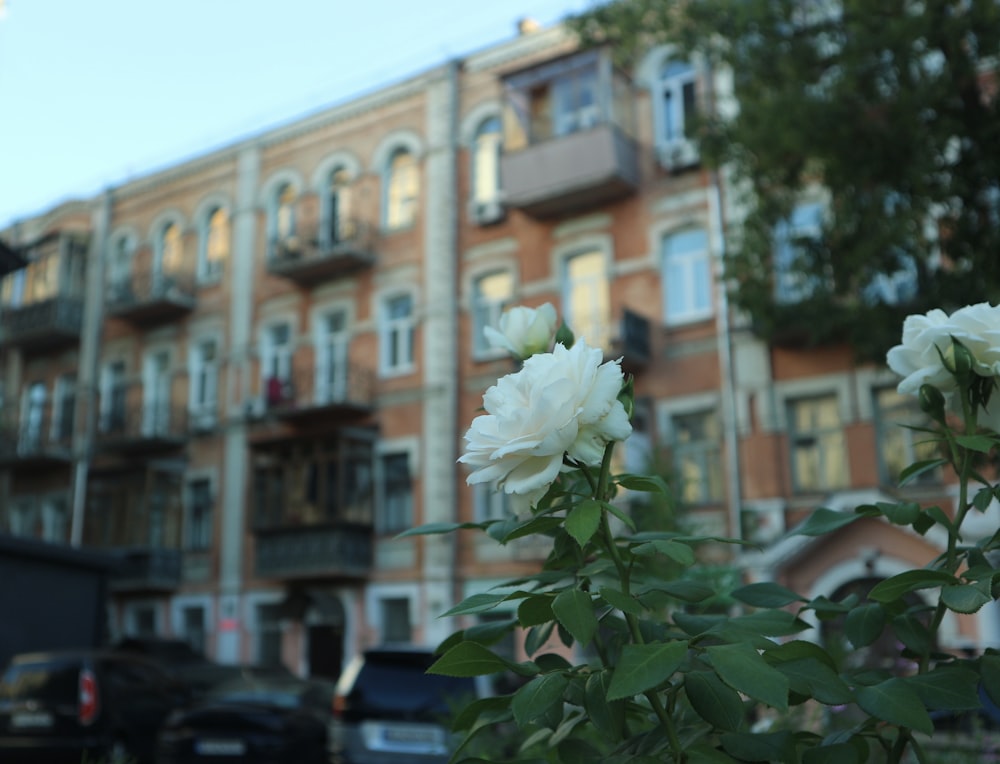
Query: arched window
(402,184)
(169,249)
(586,298)
(215,244)
(674,108)
(486,161)
(337,207)
(120,267)
(284,212)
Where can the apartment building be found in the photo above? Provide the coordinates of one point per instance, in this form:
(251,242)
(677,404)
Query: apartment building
(247,373)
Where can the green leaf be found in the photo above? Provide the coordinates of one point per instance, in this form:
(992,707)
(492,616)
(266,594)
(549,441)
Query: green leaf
(864,624)
(575,611)
(468,659)
(797,649)
(702,753)
(685,591)
(901,513)
(813,678)
(766,594)
(989,670)
(895,702)
(676,551)
(620,600)
(981,443)
(824,521)
(477,603)
(948,688)
(643,667)
(913,633)
(537,697)
(938,515)
(769,623)
(966,598)
(536,525)
(617,512)
(489,632)
(608,717)
(915,470)
(538,636)
(433,528)
(493,706)
(983,498)
(535,610)
(583,520)
(771,746)
(552,662)
(893,588)
(644,483)
(742,668)
(714,701)
(838,753)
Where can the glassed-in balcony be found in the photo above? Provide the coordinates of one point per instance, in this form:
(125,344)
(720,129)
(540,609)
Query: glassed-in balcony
(151,295)
(335,551)
(41,305)
(36,437)
(321,253)
(569,141)
(146,569)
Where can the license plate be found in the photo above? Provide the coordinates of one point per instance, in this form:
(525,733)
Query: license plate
(410,736)
(35,719)
(220,747)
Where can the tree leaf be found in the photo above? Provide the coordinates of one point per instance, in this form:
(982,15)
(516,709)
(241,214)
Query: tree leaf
(948,688)
(676,551)
(742,668)
(477,603)
(824,521)
(981,443)
(864,624)
(966,598)
(537,697)
(575,611)
(468,659)
(901,513)
(714,701)
(813,678)
(915,470)
(770,746)
(644,483)
(608,717)
(893,588)
(535,610)
(838,753)
(643,667)
(989,670)
(895,702)
(766,594)
(583,520)
(625,603)
(538,636)
(434,528)
(685,591)
(489,632)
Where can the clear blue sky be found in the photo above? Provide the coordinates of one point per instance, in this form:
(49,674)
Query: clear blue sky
(93,92)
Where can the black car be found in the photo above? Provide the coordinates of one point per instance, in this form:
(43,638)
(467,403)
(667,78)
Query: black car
(78,705)
(389,710)
(259,720)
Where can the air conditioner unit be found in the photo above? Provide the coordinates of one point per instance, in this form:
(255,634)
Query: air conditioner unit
(678,156)
(485,213)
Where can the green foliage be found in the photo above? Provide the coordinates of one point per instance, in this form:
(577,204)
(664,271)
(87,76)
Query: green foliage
(886,107)
(663,658)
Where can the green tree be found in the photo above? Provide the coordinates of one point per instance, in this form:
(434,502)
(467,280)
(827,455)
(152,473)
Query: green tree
(889,106)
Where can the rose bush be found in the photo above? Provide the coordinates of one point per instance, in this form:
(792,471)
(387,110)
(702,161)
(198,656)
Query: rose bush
(652,671)
(559,404)
(525,331)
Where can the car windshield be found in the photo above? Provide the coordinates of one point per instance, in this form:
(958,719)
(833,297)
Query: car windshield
(399,684)
(281,694)
(49,680)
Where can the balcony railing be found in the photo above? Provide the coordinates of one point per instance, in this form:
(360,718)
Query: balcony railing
(329,391)
(303,552)
(151,296)
(146,569)
(147,426)
(43,325)
(319,253)
(35,439)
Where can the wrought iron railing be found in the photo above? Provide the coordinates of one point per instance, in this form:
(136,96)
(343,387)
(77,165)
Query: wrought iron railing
(150,285)
(314,550)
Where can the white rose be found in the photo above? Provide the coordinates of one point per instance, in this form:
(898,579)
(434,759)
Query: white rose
(525,331)
(563,402)
(926,338)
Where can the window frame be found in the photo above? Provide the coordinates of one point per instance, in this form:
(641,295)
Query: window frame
(388,524)
(904,412)
(201,541)
(688,261)
(797,440)
(210,269)
(670,87)
(400,190)
(404,328)
(705,450)
(204,413)
(599,316)
(485,312)
(791,285)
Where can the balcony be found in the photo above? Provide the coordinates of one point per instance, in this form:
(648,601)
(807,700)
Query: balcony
(571,173)
(146,569)
(142,428)
(336,392)
(342,551)
(32,441)
(10,259)
(44,325)
(150,296)
(319,255)
(633,342)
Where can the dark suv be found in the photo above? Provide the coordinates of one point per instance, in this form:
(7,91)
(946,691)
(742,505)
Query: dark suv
(65,705)
(389,710)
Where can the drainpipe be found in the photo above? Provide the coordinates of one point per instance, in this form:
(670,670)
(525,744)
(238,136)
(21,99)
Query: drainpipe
(85,415)
(725,349)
